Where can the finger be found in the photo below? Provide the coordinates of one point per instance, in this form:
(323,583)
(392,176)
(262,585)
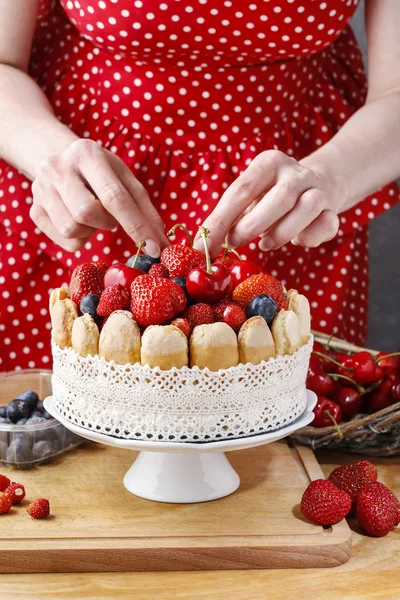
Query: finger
(259,176)
(323,229)
(307,209)
(117,200)
(279,201)
(84,207)
(47,197)
(41,219)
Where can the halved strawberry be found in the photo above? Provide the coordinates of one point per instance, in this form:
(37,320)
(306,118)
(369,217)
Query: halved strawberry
(260,284)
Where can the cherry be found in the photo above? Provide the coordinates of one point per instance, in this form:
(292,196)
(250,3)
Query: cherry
(210,284)
(318,381)
(120,273)
(327,413)
(349,401)
(326,364)
(395,390)
(389,363)
(241,270)
(379,373)
(380,398)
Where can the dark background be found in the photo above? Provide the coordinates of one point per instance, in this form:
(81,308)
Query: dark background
(384,304)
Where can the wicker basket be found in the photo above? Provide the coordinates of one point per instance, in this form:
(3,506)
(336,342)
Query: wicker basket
(370,435)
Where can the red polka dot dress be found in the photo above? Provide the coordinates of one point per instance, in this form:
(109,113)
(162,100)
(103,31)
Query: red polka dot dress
(187,93)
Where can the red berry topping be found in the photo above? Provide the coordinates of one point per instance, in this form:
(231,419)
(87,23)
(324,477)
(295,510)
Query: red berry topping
(378,510)
(16,491)
(220,307)
(103,266)
(351,478)
(323,503)
(242,270)
(234,316)
(260,284)
(199,314)
(39,509)
(155,300)
(4,483)
(86,279)
(183,325)
(5,502)
(180,260)
(159,270)
(113,298)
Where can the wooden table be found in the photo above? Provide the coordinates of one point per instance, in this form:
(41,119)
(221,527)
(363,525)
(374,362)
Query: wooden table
(372,573)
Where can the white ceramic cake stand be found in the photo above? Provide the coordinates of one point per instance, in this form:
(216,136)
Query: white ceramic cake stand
(184,472)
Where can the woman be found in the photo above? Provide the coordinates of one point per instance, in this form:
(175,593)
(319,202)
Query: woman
(252,116)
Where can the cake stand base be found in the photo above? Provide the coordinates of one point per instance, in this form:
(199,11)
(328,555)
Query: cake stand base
(181,477)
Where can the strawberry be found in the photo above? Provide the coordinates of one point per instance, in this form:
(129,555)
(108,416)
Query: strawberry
(4,483)
(5,502)
(159,270)
(220,307)
(351,478)
(183,325)
(16,491)
(260,284)
(378,510)
(103,266)
(39,509)
(234,316)
(86,279)
(199,314)
(156,300)
(113,298)
(180,260)
(323,503)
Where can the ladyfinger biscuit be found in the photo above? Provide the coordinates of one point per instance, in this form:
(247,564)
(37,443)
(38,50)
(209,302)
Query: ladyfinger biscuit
(120,338)
(213,346)
(255,341)
(164,346)
(60,293)
(286,332)
(301,306)
(63,315)
(85,336)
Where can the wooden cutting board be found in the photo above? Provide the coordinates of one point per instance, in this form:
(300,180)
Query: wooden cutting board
(98,526)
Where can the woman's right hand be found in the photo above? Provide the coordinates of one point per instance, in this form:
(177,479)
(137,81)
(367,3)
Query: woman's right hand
(85,188)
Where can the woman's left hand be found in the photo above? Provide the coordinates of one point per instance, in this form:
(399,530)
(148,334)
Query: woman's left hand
(279,200)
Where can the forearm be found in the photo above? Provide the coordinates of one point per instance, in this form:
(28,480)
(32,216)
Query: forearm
(29,131)
(364,155)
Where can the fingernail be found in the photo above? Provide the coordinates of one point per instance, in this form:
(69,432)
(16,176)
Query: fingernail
(266,243)
(152,248)
(235,240)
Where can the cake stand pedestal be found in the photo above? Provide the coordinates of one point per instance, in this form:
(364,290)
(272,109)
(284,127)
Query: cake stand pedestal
(184,472)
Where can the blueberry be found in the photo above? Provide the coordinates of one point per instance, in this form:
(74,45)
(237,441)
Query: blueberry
(144,262)
(262,306)
(42,450)
(18,409)
(36,418)
(89,305)
(3,412)
(4,421)
(22,421)
(19,454)
(181,281)
(31,398)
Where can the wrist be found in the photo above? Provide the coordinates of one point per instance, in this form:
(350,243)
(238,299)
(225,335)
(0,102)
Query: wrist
(57,138)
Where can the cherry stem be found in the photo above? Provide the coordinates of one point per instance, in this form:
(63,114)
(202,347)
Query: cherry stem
(204,233)
(140,248)
(372,387)
(332,360)
(377,360)
(328,343)
(336,376)
(228,249)
(180,226)
(330,416)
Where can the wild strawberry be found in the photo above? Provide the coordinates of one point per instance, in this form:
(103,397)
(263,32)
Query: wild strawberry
(260,284)
(39,509)
(378,510)
(351,478)
(199,314)
(4,483)
(5,502)
(103,266)
(183,325)
(323,503)
(180,260)
(156,300)
(86,279)
(220,307)
(16,491)
(113,298)
(159,270)
(234,316)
